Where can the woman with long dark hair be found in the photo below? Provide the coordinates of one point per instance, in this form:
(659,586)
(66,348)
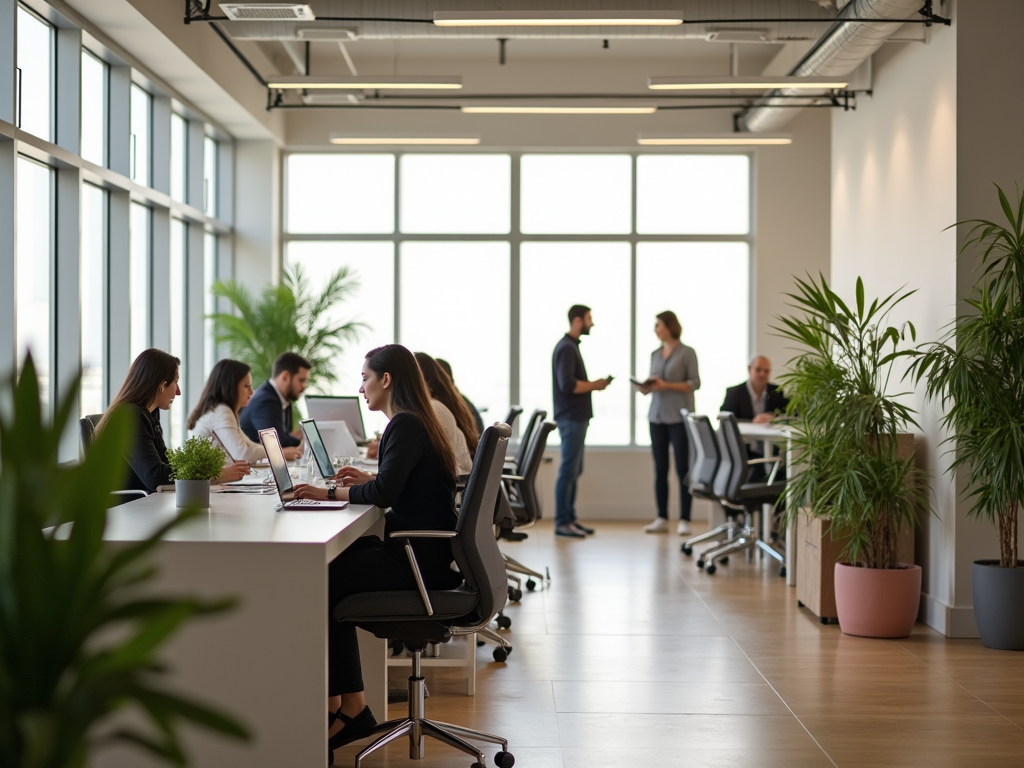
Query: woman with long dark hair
(416,480)
(150,387)
(228,391)
(451,411)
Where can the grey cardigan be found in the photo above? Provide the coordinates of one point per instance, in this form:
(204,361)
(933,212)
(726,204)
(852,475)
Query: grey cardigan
(680,366)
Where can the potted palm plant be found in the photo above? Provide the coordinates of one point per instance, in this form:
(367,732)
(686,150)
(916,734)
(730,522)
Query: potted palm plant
(194,465)
(80,629)
(976,372)
(847,434)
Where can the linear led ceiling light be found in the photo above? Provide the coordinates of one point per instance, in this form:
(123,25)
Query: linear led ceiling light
(368,83)
(558,18)
(407,139)
(743,83)
(559,109)
(714,140)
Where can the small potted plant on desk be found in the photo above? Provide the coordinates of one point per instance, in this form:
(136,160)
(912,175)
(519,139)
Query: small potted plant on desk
(194,465)
(847,435)
(977,373)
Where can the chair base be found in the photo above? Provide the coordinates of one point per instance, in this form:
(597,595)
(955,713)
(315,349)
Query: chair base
(748,538)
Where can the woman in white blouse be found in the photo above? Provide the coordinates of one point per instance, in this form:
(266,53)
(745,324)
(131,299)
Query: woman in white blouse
(227,391)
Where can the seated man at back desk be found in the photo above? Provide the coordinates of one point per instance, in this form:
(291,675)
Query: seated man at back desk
(756,400)
(271,404)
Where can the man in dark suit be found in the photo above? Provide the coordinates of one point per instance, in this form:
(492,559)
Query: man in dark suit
(271,404)
(755,399)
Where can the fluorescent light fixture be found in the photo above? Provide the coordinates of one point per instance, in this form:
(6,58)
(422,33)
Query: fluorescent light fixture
(558,18)
(403,139)
(714,140)
(368,83)
(743,83)
(559,109)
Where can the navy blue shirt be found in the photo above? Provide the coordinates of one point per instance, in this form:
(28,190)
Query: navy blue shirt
(566,369)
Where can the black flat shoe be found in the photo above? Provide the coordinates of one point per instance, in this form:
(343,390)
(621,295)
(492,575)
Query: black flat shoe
(356,728)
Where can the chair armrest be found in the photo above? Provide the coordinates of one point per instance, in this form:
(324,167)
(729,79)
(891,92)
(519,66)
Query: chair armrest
(773,459)
(420,585)
(461,480)
(135,492)
(423,535)
(517,478)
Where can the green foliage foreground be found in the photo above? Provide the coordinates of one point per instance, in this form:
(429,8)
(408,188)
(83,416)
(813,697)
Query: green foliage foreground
(80,631)
(846,433)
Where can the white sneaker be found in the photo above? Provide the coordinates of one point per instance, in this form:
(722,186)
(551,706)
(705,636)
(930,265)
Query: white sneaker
(660,525)
(684,528)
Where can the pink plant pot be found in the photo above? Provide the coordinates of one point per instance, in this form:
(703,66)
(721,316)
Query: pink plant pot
(877,602)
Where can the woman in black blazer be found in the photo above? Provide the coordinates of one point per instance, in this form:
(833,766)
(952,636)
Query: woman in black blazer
(151,386)
(416,479)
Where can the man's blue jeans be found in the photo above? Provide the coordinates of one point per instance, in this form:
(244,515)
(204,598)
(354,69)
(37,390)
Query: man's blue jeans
(573,435)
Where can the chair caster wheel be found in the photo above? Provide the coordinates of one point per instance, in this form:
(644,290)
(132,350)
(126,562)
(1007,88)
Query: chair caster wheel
(700,563)
(686,550)
(782,571)
(515,595)
(480,643)
(504,622)
(799,604)
(710,570)
(531,585)
(500,654)
(396,647)
(504,760)
(723,560)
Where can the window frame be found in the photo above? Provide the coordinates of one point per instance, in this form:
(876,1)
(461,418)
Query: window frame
(516,237)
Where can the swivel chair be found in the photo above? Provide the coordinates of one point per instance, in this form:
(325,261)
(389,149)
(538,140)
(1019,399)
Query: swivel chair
(513,411)
(426,616)
(86,435)
(514,464)
(741,494)
(705,462)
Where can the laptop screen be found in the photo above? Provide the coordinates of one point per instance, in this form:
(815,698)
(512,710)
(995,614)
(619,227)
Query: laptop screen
(346,408)
(278,464)
(316,444)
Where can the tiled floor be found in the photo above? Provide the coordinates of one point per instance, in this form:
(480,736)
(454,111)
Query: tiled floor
(633,657)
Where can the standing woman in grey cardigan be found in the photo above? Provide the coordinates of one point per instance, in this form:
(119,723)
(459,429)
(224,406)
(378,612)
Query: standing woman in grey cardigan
(673,380)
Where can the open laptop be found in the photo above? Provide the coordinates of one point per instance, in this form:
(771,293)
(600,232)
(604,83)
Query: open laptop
(285,487)
(316,445)
(344,408)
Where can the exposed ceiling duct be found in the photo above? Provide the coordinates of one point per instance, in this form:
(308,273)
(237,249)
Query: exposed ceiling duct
(376,19)
(837,54)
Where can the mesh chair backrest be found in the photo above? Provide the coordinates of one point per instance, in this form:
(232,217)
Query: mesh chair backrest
(737,452)
(723,475)
(513,411)
(528,496)
(475,548)
(706,456)
(524,442)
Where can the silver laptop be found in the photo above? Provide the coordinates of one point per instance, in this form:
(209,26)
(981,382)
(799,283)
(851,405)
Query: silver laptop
(285,487)
(316,445)
(331,408)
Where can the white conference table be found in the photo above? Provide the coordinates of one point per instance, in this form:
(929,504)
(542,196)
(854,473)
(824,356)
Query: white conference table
(770,435)
(265,662)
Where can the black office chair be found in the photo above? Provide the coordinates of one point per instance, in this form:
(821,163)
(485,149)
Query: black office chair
(86,435)
(513,411)
(425,616)
(705,461)
(742,495)
(514,464)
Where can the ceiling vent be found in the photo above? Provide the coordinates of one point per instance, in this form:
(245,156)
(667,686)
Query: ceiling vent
(738,36)
(343,34)
(267,12)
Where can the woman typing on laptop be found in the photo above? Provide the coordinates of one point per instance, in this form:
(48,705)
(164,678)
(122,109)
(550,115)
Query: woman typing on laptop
(151,386)
(227,391)
(416,479)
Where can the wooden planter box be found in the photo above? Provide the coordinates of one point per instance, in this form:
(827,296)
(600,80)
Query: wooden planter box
(817,553)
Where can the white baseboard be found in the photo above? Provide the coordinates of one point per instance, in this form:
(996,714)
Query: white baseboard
(949,620)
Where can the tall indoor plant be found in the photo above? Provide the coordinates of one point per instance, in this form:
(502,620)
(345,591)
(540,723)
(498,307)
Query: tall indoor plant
(80,628)
(288,317)
(847,434)
(977,373)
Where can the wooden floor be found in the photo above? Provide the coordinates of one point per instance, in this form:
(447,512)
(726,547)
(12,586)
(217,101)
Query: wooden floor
(633,657)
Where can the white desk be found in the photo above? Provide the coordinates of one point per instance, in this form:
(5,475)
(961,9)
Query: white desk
(265,662)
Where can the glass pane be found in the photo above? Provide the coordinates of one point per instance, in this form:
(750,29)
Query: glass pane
(179,157)
(209,176)
(209,302)
(693,194)
(36,82)
(372,303)
(179,311)
(450,328)
(94,108)
(340,193)
(93,260)
(141,123)
(553,277)
(34,260)
(695,280)
(139,279)
(576,194)
(457,194)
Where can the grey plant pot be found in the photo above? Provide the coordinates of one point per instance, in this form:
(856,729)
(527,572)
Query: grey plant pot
(999,604)
(192,493)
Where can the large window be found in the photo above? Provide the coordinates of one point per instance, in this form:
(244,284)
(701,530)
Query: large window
(34,267)
(36,83)
(179,157)
(210,160)
(179,313)
(95,82)
(141,123)
(92,328)
(139,268)
(210,257)
(444,254)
